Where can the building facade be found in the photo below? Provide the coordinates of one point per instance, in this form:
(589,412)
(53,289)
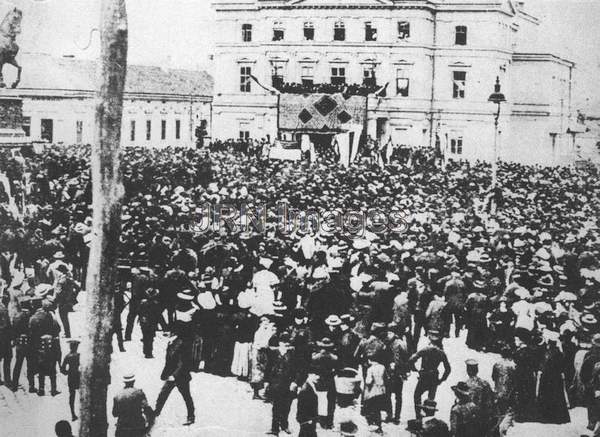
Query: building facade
(424,70)
(161,107)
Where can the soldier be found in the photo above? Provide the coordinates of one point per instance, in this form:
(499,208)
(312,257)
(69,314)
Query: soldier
(431,357)
(70,367)
(149,313)
(326,363)
(463,415)
(42,323)
(6,336)
(481,395)
(176,373)
(397,370)
(48,357)
(23,350)
(131,409)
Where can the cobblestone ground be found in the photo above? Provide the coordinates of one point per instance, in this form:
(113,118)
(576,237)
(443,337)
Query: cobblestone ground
(224,406)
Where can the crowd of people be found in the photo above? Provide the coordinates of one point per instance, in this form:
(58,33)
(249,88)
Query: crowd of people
(333,315)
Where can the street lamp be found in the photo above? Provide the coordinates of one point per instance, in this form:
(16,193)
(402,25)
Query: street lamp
(496,97)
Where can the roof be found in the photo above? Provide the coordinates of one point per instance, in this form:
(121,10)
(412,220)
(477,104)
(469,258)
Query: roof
(44,72)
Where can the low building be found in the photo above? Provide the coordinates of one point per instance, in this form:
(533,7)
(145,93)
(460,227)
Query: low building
(161,106)
(419,72)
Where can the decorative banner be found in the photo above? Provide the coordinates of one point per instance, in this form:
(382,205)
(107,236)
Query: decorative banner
(321,112)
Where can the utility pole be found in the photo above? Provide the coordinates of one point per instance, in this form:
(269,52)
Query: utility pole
(107,191)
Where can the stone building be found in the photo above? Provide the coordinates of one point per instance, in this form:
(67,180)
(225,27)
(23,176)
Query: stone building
(418,71)
(161,106)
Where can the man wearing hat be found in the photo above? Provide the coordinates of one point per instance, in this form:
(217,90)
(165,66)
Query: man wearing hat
(463,415)
(348,343)
(6,336)
(70,367)
(326,363)
(176,372)
(481,395)
(307,409)
(397,370)
(43,326)
(23,351)
(431,357)
(373,345)
(149,314)
(131,409)
(65,292)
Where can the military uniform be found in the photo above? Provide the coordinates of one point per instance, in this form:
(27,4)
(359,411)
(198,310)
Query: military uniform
(128,407)
(483,398)
(397,369)
(23,350)
(45,347)
(431,356)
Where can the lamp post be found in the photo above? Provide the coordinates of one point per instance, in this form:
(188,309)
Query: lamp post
(496,97)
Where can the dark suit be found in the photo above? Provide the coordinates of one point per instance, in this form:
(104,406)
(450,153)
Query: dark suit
(129,406)
(307,411)
(176,373)
(280,372)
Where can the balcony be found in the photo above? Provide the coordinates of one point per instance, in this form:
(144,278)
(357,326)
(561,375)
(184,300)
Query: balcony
(328,88)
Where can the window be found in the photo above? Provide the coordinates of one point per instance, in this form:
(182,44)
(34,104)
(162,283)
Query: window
(247,32)
(27,126)
(403,29)
(309,31)
(148,130)
(78,132)
(370,32)
(402,83)
(277,75)
(308,75)
(177,129)
(461,36)
(338,75)
(163,129)
(339,31)
(456,146)
(459,80)
(47,129)
(369,78)
(132,130)
(245,80)
(244,131)
(278,31)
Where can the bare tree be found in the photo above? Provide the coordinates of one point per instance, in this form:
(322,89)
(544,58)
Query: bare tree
(107,191)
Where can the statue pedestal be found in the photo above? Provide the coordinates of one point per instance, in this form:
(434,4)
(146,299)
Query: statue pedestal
(11,119)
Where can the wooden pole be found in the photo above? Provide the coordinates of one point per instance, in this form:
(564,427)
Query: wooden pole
(107,191)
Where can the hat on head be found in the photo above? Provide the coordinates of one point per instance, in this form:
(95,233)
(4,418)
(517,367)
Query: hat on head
(129,377)
(187,295)
(472,362)
(59,255)
(461,389)
(348,428)
(588,319)
(434,334)
(429,407)
(347,318)
(333,320)
(479,284)
(377,327)
(326,343)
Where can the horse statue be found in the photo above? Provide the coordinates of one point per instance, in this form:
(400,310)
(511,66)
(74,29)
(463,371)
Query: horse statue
(9,29)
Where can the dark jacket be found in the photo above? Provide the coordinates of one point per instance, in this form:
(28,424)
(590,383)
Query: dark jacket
(307,404)
(178,360)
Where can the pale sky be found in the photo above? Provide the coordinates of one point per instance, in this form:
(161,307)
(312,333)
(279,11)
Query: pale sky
(179,33)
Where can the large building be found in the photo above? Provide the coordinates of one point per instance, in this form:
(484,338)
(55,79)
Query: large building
(418,72)
(161,107)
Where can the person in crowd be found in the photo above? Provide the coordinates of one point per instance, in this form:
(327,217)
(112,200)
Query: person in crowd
(131,409)
(149,312)
(23,350)
(281,381)
(70,367)
(326,363)
(6,338)
(176,372)
(464,419)
(375,395)
(307,407)
(65,296)
(431,357)
(481,395)
(396,373)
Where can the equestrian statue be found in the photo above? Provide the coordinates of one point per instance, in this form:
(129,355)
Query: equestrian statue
(9,29)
